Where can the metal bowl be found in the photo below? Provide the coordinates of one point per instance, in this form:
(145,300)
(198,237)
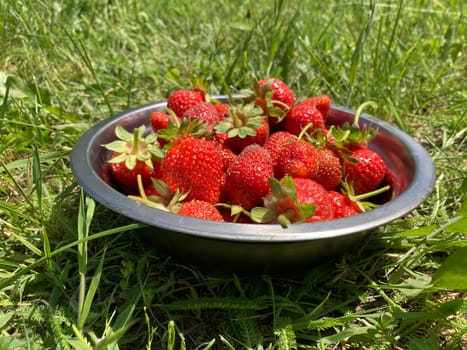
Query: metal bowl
(253,246)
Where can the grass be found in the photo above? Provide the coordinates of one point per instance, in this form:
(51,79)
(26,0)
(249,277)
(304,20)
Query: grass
(74,275)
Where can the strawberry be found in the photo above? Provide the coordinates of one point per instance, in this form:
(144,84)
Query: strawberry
(276,141)
(245,125)
(178,130)
(247,177)
(281,205)
(342,205)
(194,166)
(159,121)
(133,155)
(181,100)
(282,96)
(329,170)
(227,155)
(351,136)
(200,210)
(204,111)
(222,109)
(311,192)
(275,97)
(367,173)
(321,102)
(297,159)
(126,178)
(348,203)
(303,115)
(234,213)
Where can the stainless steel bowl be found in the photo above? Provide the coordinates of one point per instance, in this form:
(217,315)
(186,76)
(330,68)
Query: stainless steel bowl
(255,246)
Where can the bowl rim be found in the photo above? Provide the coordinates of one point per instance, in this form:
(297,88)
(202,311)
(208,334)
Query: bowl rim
(415,194)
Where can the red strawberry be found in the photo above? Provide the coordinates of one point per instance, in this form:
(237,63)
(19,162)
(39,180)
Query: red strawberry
(275,97)
(204,111)
(134,155)
(222,109)
(201,210)
(342,205)
(282,95)
(247,177)
(244,126)
(281,205)
(297,159)
(159,121)
(311,192)
(180,101)
(194,166)
(276,141)
(366,174)
(321,102)
(329,171)
(303,115)
(227,155)
(127,178)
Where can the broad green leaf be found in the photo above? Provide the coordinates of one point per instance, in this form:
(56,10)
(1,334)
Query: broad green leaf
(430,343)
(451,275)
(422,231)
(4,318)
(345,334)
(461,224)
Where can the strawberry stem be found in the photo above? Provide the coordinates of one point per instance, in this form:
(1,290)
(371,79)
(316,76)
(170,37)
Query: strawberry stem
(371,194)
(135,146)
(360,110)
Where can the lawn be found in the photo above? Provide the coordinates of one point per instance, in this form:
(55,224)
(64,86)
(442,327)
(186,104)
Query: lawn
(74,275)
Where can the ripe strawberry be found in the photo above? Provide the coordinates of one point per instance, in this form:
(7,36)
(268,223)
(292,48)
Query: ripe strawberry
(194,166)
(329,170)
(282,95)
(247,177)
(281,205)
(227,155)
(311,192)
(126,178)
(297,159)
(234,213)
(204,111)
(133,155)
(366,174)
(200,210)
(275,142)
(181,100)
(342,205)
(303,115)
(348,203)
(275,98)
(222,109)
(321,102)
(245,125)
(160,121)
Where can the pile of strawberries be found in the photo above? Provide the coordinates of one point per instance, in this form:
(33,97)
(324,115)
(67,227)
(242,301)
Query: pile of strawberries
(267,157)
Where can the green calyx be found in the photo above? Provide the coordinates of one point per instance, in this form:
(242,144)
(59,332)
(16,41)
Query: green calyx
(359,200)
(177,130)
(282,206)
(133,147)
(166,201)
(272,108)
(242,121)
